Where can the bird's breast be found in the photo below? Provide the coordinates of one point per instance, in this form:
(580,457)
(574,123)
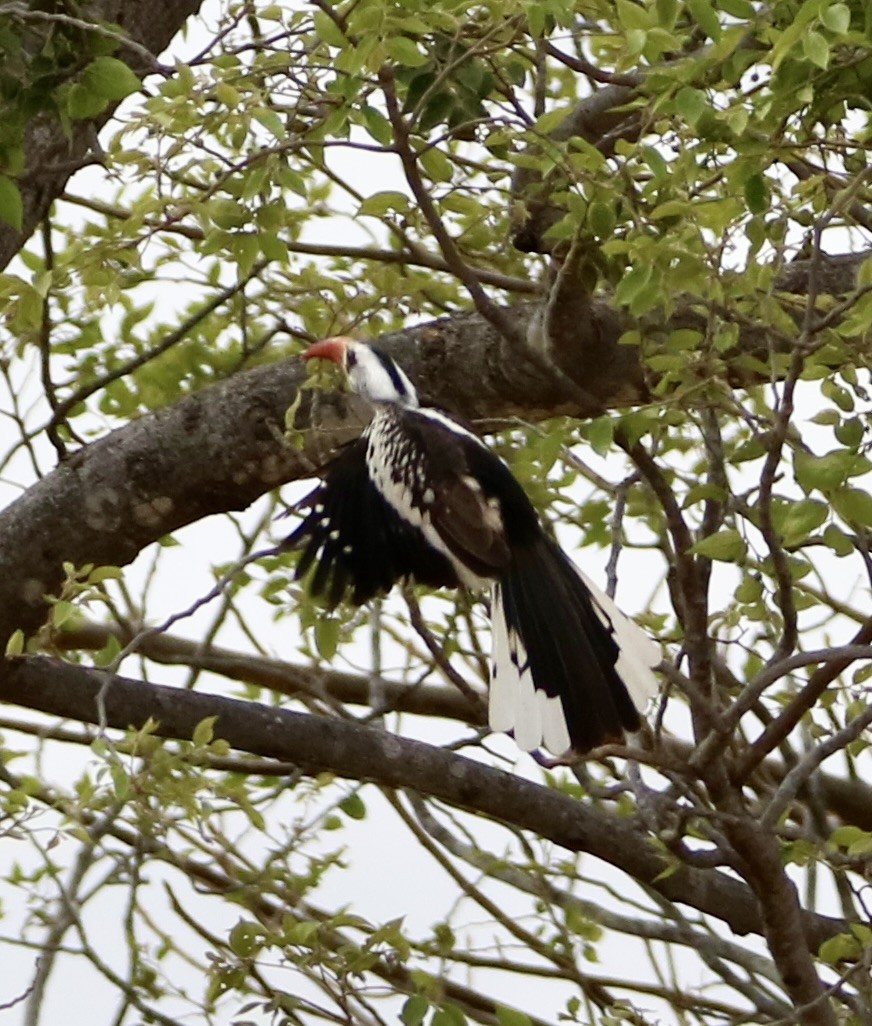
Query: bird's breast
(397,468)
(400,471)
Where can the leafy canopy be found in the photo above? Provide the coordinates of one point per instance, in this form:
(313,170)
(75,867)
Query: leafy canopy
(675,173)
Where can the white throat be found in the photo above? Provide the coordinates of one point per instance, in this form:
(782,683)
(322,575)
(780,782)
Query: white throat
(376,377)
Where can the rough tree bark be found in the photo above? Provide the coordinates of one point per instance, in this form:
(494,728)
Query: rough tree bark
(222,448)
(318,744)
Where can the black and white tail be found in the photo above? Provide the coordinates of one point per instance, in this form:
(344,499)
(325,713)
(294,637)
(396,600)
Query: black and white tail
(570,671)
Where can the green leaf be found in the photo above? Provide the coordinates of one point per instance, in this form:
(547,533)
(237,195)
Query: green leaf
(853,505)
(826,417)
(246,939)
(790,36)
(328,31)
(294,181)
(837,18)
(546,124)
(750,590)
(850,432)
(823,472)
(227,94)
(838,949)
(757,194)
(671,208)
(858,320)
(632,15)
(82,103)
(801,519)
(727,546)
(632,284)
(816,48)
(742,9)
(353,806)
(379,203)
(107,655)
(11,206)
(691,104)
(637,40)
(737,119)
(836,539)
(864,273)
(449,1015)
(301,933)
(536,18)
(704,15)
(667,12)
(702,493)
(601,218)
(227,213)
(61,612)
(105,573)
(414,1010)
(327,630)
(271,121)
(405,51)
(601,435)
(847,836)
(837,394)
(272,247)
(120,780)
(438,167)
(584,156)
(656,162)
(204,732)
(15,644)
(684,339)
(438,107)
(110,78)
(377,125)
(511,1016)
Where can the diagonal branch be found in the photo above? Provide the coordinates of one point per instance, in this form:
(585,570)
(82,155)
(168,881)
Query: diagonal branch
(353,751)
(850,800)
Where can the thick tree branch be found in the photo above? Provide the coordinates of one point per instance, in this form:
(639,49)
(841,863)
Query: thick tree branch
(350,750)
(217,451)
(849,800)
(222,448)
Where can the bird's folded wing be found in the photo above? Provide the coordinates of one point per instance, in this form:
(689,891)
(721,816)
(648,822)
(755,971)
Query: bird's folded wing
(470,524)
(468,487)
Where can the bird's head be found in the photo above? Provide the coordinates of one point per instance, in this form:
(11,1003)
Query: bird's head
(371,373)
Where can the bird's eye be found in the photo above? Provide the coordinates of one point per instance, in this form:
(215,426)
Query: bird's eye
(350,357)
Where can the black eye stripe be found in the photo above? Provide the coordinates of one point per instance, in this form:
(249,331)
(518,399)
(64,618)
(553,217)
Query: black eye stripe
(392,371)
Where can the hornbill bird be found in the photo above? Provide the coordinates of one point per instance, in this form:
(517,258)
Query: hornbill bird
(419,497)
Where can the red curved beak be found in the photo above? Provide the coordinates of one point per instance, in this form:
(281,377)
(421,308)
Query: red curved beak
(333,349)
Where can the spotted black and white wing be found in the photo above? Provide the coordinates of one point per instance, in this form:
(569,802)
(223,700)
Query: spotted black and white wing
(439,477)
(356,542)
